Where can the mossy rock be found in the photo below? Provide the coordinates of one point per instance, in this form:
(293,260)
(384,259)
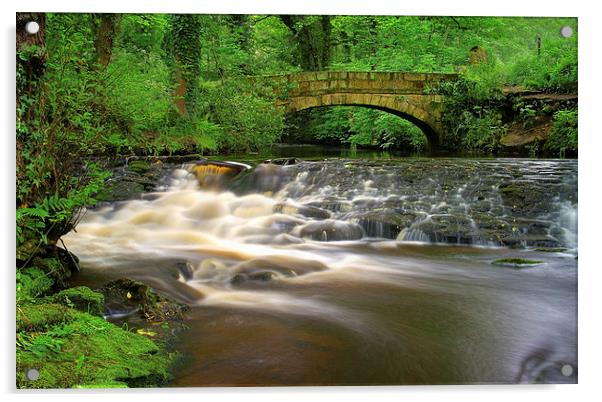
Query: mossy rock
(82,298)
(119,191)
(127,295)
(93,353)
(516,262)
(138,166)
(54,268)
(38,317)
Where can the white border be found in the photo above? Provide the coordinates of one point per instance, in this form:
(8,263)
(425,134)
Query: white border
(590,149)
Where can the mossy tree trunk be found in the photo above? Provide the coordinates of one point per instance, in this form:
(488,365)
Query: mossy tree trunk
(106,26)
(186,30)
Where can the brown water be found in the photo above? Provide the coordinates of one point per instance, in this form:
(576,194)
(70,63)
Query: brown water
(286,291)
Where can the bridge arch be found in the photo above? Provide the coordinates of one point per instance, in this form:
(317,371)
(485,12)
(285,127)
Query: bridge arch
(416,115)
(407,95)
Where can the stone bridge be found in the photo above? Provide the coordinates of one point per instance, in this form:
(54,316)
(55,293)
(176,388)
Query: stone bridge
(403,94)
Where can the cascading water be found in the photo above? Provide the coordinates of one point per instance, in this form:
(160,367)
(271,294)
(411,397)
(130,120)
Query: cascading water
(289,267)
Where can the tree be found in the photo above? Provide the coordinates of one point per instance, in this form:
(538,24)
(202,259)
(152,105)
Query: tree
(105,33)
(186,30)
(313,37)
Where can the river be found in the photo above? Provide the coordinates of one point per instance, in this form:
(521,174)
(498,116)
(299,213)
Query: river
(355,270)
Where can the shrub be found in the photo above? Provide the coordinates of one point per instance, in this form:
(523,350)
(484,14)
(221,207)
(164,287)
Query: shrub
(563,139)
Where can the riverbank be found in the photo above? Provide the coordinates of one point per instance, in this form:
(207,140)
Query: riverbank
(72,337)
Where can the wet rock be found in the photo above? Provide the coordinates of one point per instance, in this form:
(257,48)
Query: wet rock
(330,230)
(265,178)
(216,174)
(260,276)
(525,198)
(283,266)
(305,210)
(385,224)
(120,191)
(283,161)
(452,229)
(185,270)
(126,296)
(525,240)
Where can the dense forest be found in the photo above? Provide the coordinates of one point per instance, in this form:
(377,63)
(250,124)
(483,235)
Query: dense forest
(92,86)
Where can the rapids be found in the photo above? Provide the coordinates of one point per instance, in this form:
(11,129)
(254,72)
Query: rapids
(355,271)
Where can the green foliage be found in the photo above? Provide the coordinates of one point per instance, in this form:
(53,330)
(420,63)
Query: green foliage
(144,33)
(138,92)
(244,115)
(563,139)
(32,283)
(56,214)
(57,125)
(481,131)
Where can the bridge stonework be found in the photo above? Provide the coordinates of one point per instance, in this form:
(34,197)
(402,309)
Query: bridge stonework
(403,94)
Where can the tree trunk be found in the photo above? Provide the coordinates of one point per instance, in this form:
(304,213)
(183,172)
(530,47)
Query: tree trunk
(180,92)
(104,38)
(313,40)
(186,30)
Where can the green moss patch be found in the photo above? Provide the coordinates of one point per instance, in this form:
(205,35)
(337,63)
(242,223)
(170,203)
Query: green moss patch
(81,298)
(139,166)
(516,262)
(86,351)
(39,317)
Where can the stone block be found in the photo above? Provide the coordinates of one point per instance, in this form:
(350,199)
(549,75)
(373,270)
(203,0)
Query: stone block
(414,76)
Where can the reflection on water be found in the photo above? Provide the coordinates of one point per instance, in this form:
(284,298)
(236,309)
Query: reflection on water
(311,273)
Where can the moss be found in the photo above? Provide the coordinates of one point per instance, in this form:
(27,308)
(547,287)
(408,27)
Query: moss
(38,317)
(82,298)
(516,262)
(139,166)
(87,351)
(511,189)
